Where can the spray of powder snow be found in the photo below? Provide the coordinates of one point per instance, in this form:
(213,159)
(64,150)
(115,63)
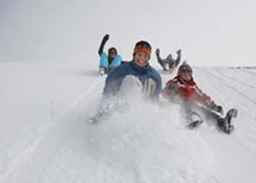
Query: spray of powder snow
(144,143)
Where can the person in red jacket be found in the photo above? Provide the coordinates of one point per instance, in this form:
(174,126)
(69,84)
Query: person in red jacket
(184,88)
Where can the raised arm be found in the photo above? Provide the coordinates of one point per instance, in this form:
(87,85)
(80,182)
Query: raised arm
(159,59)
(177,61)
(102,44)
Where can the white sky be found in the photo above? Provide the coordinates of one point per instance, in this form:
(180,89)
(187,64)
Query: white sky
(217,32)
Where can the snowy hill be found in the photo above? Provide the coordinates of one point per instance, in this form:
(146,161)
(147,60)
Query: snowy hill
(45,137)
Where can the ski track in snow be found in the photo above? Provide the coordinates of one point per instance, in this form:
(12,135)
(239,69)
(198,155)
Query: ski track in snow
(137,149)
(44,130)
(248,71)
(247,138)
(227,84)
(238,80)
(243,138)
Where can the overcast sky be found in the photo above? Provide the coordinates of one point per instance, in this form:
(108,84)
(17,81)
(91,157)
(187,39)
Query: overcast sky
(217,32)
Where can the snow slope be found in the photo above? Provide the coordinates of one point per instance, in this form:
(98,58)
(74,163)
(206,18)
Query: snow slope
(45,136)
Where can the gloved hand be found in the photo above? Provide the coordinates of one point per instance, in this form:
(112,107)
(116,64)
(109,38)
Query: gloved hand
(217,108)
(178,51)
(157,51)
(106,38)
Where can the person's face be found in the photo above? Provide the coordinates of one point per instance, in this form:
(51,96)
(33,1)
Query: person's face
(141,58)
(186,75)
(112,54)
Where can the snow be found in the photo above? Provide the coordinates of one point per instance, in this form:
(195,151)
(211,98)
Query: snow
(45,135)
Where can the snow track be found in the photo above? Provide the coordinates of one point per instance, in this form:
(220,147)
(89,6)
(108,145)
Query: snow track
(43,132)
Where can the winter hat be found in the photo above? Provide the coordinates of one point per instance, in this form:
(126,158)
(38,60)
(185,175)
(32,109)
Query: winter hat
(142,46)
(185,67)
(112,49)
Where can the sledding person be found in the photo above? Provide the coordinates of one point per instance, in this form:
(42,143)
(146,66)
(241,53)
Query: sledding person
(169,63)
(108,61)
(139,68)
(134,77)
(184,88)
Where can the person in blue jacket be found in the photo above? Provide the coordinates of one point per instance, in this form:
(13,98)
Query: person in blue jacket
(139,67)
(136,72)
(108,61)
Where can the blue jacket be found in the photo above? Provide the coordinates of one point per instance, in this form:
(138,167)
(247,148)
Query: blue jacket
(104,61)
(115,77)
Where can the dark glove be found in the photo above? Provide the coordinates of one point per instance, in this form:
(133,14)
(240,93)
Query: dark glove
(178,51)
(106,38)
(217,108)
(157,51)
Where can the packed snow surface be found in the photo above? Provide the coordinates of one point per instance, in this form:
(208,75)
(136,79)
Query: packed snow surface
(45,135)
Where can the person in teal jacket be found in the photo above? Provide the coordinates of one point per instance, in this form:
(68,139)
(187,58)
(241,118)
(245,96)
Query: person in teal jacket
(140,68)
(108,61)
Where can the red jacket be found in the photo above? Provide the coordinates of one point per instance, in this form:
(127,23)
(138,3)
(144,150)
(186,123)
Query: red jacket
(188,91)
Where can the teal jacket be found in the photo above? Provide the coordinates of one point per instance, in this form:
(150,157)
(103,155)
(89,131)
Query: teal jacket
(115,77)
(105,64)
